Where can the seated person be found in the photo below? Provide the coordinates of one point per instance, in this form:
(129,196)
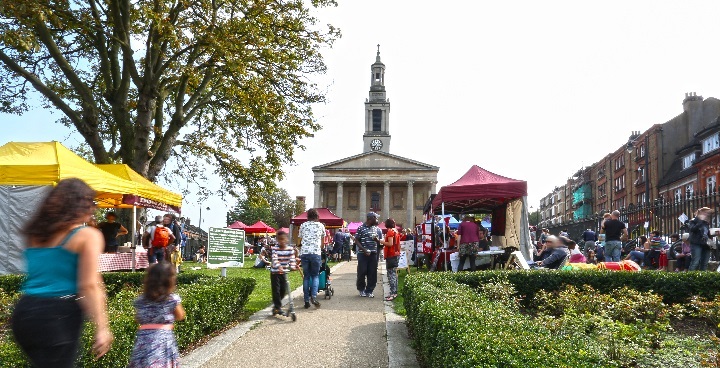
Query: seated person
(559,252)
(681,252)
(201,254)
(264,258)
(483,244)
(638,255)
(576,255)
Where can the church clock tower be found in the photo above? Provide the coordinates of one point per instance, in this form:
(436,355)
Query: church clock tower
(377,111)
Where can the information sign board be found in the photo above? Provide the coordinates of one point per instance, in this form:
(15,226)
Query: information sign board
(226,247)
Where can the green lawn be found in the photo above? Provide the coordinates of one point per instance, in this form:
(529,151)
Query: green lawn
(260,297)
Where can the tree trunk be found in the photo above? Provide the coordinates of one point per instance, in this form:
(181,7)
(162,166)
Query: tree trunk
(140,160)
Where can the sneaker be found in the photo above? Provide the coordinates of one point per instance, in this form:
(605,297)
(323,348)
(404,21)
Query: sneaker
(307,305)
(315,302)
(370,295)
(362,294)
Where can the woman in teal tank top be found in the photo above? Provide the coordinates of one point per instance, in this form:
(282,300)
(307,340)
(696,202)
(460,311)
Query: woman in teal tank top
(62,282)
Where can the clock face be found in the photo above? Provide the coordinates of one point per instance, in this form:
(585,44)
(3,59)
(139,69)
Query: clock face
(376,144)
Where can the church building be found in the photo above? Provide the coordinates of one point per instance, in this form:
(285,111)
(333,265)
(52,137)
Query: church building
(375,180)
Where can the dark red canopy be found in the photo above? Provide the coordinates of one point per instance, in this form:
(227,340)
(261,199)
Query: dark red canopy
(259,228)
(479,190)
(327,218)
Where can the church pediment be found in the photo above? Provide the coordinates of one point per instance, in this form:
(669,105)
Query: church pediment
(375,161)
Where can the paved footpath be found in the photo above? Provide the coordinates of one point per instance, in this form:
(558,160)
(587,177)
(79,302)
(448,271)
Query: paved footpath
(346,331)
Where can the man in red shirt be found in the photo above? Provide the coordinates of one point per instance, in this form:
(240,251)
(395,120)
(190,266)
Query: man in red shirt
(468,237)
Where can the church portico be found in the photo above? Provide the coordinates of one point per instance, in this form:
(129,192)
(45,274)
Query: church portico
(375,180)
(400,199)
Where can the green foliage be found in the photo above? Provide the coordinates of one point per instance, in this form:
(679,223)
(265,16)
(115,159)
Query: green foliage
(674,287)
(249,212)
(11,283)
(218,85)
(227,297)
(454,326)
(276,209)
(114,281)
(457,321)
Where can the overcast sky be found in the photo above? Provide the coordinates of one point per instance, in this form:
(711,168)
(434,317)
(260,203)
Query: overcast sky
(527,89)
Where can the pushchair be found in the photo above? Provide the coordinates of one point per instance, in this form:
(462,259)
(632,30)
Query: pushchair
(325,284)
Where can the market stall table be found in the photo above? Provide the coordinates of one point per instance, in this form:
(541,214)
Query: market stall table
(492,254)
(122,261)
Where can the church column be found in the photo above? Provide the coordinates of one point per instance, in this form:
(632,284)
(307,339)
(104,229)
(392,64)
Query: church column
(433,187)
(410,203)
(386,199)
(339,201)
(316,198)
(363,200)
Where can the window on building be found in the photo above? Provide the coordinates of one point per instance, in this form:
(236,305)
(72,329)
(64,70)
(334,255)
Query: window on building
(377,120)
(641,198)
(711,143)
(711,185)
(620,203)
(689,190)
(397,200)
(640,151)
(601,189)
(620,183)
(641,175)
(353,199)
(377,76)
(619,162)
(678,194)
(375,201)
(688,161)
(331,199)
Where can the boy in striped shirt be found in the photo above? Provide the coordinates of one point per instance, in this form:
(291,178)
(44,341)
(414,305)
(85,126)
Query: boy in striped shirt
(283,260)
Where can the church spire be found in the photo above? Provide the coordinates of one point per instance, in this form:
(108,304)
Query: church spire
(377,75)
(377,110)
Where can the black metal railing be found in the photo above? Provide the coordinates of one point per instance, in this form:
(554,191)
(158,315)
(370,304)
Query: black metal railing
(659,214)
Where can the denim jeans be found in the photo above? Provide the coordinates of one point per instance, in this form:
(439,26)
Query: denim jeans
(637,257)
(700,256)
(612,250)
(653,259)
(48,330)
(367,268)
(156,254)
(311,273)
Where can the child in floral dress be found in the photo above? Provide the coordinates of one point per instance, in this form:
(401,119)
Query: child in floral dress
(156,310)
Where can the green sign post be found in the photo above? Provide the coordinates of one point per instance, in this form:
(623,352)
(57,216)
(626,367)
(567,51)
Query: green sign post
(226,248)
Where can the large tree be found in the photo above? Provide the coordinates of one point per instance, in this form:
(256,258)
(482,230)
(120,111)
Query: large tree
(215,83)
(276,209)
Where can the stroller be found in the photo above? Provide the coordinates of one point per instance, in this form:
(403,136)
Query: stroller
(325,283)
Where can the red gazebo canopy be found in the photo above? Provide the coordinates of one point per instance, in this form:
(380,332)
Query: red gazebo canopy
(479,190)
(259,228)
(237,225)
(327,218)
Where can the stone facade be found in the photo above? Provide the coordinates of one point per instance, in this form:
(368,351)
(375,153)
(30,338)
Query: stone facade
(375,180)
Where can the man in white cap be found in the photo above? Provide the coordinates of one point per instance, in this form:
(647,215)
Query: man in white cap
(367,241)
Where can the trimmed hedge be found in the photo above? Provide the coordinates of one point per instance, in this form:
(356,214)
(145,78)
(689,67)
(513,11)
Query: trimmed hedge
(211,304)
(114,281)
(674,287)
(455,326)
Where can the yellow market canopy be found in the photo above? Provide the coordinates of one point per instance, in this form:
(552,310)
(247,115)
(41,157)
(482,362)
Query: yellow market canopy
(148,194)
(46,163)
(117,185)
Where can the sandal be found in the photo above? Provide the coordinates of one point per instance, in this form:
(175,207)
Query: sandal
(390,298)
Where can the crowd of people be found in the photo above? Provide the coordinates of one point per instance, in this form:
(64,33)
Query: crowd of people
(691,250)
